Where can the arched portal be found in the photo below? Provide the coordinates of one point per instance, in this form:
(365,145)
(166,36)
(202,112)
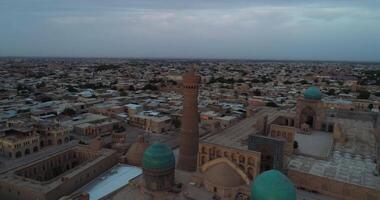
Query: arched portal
(308,116)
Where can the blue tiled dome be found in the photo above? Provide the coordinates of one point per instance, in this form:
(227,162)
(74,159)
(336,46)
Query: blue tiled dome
(158,156)
(272,185)
(313,93)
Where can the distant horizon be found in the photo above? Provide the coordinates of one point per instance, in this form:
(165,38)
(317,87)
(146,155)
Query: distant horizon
(193,58)
(325,30)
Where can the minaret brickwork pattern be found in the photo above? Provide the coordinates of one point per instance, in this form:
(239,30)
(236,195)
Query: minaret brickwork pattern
(189,126)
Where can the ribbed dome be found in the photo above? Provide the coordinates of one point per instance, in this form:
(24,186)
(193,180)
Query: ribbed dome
(272,185)
(223,175)
(135,153)
(158,156)
(313,93)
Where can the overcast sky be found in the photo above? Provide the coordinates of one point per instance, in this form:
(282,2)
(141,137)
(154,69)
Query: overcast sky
(271,29)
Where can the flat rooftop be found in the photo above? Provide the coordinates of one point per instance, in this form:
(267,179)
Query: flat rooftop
(112,180)
(344,167)
(189,190)
(360,138)
(94,124)
(236,135)
(352,162)
(84,118)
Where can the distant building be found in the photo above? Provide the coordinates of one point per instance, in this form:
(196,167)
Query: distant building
(151,121)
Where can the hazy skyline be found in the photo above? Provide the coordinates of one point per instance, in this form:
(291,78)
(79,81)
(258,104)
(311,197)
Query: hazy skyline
(297,29)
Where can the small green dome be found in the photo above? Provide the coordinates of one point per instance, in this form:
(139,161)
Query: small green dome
(158,156)
(272,185)
(313,93)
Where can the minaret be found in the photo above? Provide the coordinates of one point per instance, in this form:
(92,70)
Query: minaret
(188,151)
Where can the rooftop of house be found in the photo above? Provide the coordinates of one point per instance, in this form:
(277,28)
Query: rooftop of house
(13,135)
(84,118)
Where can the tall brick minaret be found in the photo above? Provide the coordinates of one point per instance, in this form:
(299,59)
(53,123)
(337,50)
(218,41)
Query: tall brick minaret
(188,151)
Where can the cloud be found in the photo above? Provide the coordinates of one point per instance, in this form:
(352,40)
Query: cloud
(244,16)
(242,28)
(75,20)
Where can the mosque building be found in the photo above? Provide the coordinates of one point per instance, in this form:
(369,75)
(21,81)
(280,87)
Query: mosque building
(270,156)
(221,171)
(158,167)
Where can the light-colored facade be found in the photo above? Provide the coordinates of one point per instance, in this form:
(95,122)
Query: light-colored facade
(154,124)
(94,129)
(52,134)
(227,171)
(17,143)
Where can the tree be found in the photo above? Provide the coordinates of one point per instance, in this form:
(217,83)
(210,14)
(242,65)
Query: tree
(295,145)
(21,87)
(71,89)
(257,92)
(123,93)
(40,85)
(150,87)
(303,82)
(69,112)
(331,92)
(364,94)
(287,82)
(44,98)
(346,91)
(327,81)
(271,104)
(131,88)
(370,106)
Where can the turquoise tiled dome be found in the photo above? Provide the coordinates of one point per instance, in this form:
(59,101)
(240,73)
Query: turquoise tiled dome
(272,185)
(158,156)
(313,93)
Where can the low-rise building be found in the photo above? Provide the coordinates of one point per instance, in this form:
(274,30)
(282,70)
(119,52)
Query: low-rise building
(51,133)
(16,143)
(151,121)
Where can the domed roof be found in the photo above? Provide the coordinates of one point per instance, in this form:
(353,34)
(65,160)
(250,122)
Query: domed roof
(135,153)
(158,156)
(272,185)
(313,93)
(224,175)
